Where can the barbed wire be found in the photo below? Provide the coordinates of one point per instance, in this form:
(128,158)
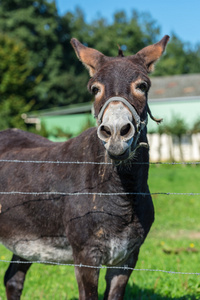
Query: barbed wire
(94,163)
(94,193)
(97,267)
(100,194)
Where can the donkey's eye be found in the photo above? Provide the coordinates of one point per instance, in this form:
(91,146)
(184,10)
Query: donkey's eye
(95,90)
(142,87)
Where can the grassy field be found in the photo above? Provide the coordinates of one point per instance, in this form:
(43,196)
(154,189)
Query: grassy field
(172,245)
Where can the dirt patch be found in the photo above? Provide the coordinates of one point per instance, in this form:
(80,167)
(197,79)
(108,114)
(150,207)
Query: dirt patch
(178,234)
(194,235)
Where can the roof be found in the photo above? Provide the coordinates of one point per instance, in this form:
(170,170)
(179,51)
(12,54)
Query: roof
(63,110)
(176,86)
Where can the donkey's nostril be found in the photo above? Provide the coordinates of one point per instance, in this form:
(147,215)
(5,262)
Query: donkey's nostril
(125,129)
(105,131)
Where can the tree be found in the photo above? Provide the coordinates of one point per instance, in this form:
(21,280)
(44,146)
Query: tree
(179,58)
(61,79)
(36,24)
(131,33)
(16,91)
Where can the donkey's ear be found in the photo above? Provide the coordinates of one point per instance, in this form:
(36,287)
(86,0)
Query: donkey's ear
(90,57)
(152,53)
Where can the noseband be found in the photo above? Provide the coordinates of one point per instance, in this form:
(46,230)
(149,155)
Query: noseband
(140,125)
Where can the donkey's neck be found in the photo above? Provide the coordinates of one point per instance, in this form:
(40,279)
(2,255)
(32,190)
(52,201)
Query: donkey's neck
(133,173)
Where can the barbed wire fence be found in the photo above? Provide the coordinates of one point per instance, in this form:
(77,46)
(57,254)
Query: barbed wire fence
(93,162)
(125,267)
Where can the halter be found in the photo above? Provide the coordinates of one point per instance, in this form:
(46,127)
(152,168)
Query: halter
(140,125)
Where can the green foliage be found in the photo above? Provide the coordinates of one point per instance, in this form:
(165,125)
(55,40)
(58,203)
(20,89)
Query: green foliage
(15,90)
(196,127)
(36,23)
(56,75)
(131,34)
(42,131)
(60,133)
(179,58)
(177,127)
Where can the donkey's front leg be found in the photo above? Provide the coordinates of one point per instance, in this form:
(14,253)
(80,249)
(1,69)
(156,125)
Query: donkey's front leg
(117,279)
(87,279)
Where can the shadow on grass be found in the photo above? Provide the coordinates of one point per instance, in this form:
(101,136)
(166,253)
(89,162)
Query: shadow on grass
(136,293)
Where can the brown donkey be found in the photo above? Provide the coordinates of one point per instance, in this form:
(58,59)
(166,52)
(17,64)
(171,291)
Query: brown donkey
(89,214)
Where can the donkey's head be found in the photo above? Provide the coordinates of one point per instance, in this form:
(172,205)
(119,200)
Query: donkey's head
(120,85)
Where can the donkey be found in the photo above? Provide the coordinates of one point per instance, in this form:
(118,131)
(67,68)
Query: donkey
(93,213)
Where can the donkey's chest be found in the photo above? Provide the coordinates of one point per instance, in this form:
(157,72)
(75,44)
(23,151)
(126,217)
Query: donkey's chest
(117,243)
(118,250)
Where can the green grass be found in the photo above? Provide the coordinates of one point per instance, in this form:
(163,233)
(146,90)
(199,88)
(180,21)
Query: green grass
(173,244)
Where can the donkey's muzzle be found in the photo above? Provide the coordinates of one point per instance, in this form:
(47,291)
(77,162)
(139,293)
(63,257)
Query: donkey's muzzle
(122,131)
(116,129)
(117,138)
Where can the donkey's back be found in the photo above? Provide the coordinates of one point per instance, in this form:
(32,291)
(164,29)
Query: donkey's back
(11,139)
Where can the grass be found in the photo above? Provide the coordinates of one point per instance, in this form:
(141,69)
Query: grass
(173,244)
